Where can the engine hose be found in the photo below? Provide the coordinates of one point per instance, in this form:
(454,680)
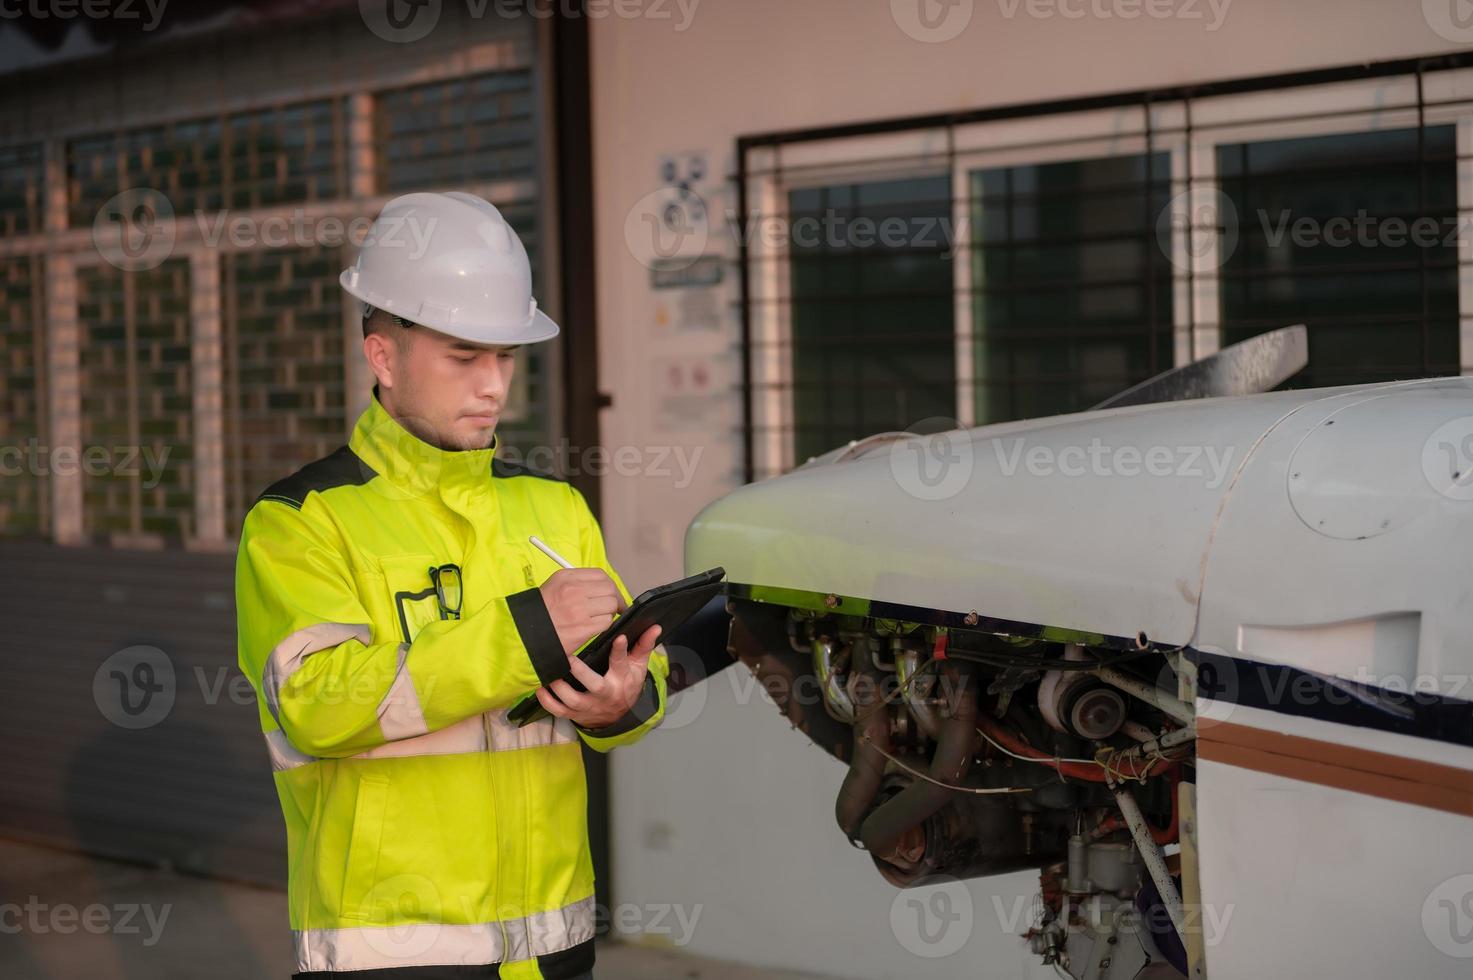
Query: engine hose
(883,829)
(1089,772)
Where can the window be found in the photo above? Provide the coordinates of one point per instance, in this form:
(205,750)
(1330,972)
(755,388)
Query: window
(452,134)
(287,153)
(137,419)
(190,387)
(279,155)
(24,504)
(457,132)
(283,372)
(22,174)
(1318,243)
(1089,250)
(1071,296)
(871,317)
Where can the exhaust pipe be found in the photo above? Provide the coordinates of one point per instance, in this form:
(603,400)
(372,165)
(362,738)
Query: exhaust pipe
(871,743)
(884,829)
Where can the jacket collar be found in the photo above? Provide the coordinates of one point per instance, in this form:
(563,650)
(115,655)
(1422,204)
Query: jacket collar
(416,466)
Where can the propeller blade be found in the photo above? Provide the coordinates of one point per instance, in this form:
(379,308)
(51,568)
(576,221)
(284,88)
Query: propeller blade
(1257,364)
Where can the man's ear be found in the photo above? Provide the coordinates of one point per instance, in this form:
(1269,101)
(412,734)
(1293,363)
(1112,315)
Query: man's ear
(381,353)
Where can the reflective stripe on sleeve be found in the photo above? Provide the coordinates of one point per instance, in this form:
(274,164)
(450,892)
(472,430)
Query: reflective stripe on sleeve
(399,713)
(289,655)
(506,735)
(285,755)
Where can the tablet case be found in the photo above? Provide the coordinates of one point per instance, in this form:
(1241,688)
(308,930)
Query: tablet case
(665,605)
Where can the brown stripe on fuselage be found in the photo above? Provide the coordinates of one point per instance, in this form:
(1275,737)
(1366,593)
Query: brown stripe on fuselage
(1346,767)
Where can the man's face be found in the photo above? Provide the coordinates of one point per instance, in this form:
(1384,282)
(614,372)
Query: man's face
(448,392)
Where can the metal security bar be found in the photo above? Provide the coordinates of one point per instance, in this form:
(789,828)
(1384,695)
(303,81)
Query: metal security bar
(478,129)
(286,154)
(237,355)
(1087,245)
(135,355)
(22,179)
(278,155)
(461,131)
(1376,311)
(283,372)
(24,504)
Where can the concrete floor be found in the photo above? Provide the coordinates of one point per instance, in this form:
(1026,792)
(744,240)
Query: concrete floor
(63,915)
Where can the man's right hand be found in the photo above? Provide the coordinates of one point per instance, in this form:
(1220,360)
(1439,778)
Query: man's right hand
(581,602)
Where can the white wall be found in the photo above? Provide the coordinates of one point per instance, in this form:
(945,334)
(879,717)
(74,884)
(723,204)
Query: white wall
(734,811)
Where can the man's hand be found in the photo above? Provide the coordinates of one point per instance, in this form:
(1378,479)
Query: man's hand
(581,602)
(609,696)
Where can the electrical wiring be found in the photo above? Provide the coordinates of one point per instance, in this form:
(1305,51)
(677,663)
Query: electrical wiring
(974,790)
(1055,760)
(1100,769)
(1106,765)
(885,703)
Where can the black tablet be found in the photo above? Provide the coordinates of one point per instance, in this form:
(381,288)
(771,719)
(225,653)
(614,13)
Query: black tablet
(666,606)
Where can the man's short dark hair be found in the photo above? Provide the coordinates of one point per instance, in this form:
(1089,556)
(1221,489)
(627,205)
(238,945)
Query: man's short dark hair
(376,320)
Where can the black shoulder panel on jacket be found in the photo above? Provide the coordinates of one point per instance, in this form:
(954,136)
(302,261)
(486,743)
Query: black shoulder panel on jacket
(342,468)
(502,469)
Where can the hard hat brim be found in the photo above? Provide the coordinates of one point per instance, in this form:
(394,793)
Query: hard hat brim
(538,328)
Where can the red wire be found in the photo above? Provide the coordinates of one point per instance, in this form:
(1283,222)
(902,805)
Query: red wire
(1073,770)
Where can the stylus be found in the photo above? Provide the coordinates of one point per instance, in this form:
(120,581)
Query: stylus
(538,544)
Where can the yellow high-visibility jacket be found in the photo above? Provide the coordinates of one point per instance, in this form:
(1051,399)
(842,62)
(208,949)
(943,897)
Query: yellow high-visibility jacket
(423,828)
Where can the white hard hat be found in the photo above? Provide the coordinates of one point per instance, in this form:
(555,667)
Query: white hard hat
(450,262)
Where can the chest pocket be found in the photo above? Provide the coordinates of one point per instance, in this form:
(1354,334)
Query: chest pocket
(414,602)
(538,567)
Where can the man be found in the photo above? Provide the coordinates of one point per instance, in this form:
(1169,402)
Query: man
(391,609)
